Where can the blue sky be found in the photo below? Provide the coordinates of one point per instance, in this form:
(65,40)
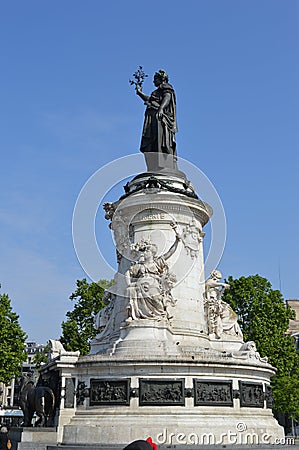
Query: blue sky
(67,109)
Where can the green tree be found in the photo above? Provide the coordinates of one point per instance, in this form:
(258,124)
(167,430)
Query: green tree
(286,395)
(12,341)
(41,357)
(264,319)
(79,329)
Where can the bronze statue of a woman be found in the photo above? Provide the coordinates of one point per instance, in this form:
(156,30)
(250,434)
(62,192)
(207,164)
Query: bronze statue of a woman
(158,136)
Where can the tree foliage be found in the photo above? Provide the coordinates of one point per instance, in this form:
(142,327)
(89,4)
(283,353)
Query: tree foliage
(41,357)
(286,395)
(12,341)
(79,329)
(264,319)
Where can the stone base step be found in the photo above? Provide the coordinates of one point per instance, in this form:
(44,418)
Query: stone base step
(290,445)
(30,445)
(87,447)
(32,438)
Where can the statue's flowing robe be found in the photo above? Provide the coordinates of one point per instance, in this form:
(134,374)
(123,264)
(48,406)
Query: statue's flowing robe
(145,293)
(159,135)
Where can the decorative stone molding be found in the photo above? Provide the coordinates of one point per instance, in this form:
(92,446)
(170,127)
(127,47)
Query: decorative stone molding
(57,350)
(191,239)
(165,203)
(248,351)
(109,208)
(157,184)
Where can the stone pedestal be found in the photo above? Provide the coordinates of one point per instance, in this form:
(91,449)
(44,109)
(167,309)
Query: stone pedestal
(32,438)
(157,367)
(209,398)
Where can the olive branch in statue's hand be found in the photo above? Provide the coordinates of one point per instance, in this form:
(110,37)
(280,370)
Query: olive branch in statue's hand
(139,76)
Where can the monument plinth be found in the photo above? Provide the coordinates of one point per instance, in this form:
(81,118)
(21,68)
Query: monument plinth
(169,360)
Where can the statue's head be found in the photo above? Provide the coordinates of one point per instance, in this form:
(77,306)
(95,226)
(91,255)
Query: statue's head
(150,250)
(160,77)
(154,249)
(216,274)
(145,248)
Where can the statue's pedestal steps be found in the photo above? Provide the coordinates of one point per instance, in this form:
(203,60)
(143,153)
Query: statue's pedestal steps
(32,438)
(294,446)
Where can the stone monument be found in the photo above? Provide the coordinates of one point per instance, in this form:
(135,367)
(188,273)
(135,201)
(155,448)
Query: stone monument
(169,360)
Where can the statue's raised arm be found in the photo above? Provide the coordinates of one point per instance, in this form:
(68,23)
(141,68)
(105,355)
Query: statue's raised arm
(174,246)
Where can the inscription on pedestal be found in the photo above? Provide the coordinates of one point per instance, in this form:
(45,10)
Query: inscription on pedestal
(109,392)
(161,392)
(213,393)
(251,395)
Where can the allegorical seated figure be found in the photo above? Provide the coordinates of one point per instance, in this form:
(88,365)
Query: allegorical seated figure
(150,282)
(221,318)
(158,136)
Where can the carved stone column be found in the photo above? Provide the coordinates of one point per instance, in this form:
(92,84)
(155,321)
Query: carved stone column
(156,211)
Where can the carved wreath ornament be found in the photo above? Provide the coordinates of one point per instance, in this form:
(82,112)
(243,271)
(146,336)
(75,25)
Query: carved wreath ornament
(191,238)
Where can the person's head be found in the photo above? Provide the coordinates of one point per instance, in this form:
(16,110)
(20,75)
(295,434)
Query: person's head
(142,445)
(160,77)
